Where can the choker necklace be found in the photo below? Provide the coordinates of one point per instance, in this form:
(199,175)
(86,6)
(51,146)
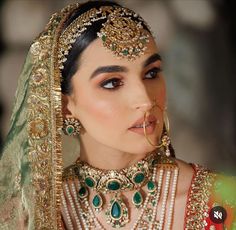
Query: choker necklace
(114,182)
(139,178)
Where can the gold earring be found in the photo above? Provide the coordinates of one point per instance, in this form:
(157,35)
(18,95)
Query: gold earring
(71,127)
(165,143)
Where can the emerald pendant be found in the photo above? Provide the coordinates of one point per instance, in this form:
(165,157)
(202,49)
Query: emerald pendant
(117,212)
(137,199)
(97,202)
(82,193)
(151,186)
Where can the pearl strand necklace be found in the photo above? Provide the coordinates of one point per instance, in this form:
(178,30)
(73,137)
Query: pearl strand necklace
(74,213)
(67,212)
(165,196)
(172,199)
(160,179)
(78,205)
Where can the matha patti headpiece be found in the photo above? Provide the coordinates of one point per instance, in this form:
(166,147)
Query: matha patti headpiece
(122,33)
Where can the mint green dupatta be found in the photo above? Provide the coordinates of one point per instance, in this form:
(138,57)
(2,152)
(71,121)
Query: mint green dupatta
(31,161)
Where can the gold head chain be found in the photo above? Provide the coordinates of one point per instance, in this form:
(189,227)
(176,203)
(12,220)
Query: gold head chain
(122,33)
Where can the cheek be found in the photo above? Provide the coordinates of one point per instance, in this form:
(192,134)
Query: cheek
(160,93)
(97,108)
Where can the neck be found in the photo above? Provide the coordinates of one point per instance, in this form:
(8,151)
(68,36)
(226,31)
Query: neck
(104,157)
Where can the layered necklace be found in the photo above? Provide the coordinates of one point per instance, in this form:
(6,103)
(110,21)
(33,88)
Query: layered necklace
(149,179)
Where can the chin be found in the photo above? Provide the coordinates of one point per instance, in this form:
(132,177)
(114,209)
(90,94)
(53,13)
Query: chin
(145,148)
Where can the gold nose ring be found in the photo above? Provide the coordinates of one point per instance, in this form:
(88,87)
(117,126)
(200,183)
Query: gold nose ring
(145,132)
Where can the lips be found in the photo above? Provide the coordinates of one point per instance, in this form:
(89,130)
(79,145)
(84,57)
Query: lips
(139,123)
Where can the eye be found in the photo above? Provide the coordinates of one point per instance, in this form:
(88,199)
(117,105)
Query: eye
(153,73)
(112,83)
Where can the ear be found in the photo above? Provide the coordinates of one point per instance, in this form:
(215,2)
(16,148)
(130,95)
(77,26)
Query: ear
(66,111)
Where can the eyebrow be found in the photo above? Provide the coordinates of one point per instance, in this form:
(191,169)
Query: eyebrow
(117,68)
(108,69)
(151,59)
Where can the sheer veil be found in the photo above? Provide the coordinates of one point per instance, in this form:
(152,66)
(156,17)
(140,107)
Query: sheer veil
(31,160)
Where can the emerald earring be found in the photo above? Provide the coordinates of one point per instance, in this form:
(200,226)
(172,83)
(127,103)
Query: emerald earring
(71,127)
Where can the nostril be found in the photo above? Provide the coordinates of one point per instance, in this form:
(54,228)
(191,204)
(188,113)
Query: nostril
(144,106)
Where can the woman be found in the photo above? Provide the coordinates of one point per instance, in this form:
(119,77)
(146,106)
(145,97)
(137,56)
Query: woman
(95,73)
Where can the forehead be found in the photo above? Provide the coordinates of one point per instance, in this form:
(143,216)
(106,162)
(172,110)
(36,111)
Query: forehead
(97,55)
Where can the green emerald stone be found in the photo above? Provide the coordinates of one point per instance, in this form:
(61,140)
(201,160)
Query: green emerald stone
(82,192)
(116,210)
(97,201)
(113,185)
(70,129)
(151,186)
(137,198)
(139,177)
(89,182)
(125,52)
(104,38)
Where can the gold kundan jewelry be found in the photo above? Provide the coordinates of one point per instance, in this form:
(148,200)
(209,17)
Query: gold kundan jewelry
(116,181)
(160,181)
(122,33)
(71,127)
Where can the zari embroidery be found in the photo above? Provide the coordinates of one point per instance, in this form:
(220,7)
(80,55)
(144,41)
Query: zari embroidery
(44,124)
(197,203)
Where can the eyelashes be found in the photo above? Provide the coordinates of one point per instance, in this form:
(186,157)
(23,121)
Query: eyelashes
(112,83)
(153,73)
(116,83)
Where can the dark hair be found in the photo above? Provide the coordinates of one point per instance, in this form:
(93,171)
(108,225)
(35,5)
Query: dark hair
(82,42)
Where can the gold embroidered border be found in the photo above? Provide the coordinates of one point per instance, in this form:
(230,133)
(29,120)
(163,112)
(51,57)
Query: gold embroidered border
(44,125)
(197,204)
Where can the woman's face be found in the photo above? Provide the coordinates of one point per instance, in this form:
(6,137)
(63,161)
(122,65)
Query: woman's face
(109,95)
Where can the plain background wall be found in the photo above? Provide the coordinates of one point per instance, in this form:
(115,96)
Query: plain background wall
(197,41)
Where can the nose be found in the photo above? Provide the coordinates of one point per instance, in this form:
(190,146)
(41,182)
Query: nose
(141,99)
(144,106)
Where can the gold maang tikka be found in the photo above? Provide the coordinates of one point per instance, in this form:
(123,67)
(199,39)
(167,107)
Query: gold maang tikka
(122,33)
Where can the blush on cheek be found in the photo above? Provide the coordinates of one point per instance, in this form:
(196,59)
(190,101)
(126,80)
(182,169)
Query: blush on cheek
(101,111)
(160,99)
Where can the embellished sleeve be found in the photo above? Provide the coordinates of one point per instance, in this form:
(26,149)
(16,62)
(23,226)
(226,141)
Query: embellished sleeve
(198,197)
(211,202)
